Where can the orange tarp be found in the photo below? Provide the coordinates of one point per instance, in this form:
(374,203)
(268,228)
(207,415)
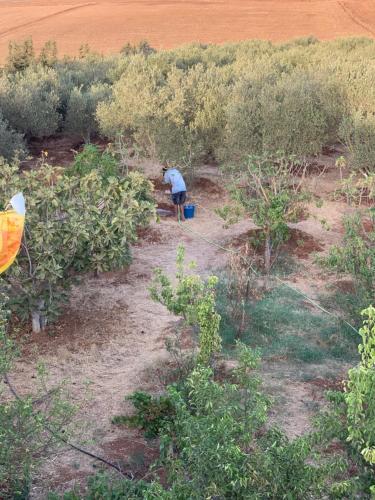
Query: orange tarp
(11,229)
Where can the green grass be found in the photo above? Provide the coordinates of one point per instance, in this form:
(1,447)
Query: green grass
(283,325)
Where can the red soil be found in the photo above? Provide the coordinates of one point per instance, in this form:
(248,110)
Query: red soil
(106,25)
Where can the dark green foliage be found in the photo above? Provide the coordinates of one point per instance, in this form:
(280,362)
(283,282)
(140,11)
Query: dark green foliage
(153,413)
(91,159)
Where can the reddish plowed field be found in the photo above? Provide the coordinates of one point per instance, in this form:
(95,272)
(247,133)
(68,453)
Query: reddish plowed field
(106,25)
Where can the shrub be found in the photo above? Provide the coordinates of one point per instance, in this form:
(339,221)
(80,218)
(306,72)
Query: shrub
(194,300)
(94,219)
(293,113)
(12,144)
(173,115)
(91,159)
(349,421)
(153,413)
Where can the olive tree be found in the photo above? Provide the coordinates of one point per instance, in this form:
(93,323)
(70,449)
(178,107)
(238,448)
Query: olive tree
(73,224)
(81,110)
(172,113)
(29,101)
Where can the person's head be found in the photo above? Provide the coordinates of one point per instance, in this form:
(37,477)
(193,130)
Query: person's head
(164,169)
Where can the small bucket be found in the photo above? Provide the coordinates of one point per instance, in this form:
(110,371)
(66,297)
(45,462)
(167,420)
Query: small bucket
(189,211)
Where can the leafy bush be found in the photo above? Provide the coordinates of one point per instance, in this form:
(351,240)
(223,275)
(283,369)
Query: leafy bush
(153,413)
(12,144)
(102,486)
(216,446)
(90,159)
(94,219)
(173,115)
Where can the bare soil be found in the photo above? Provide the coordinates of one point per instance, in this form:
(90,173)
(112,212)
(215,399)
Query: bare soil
(111,340)
(106,25)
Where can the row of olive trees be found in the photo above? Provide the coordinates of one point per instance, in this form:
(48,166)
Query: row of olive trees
(199,101)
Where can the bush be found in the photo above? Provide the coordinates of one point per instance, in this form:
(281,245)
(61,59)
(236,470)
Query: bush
(90,159)
(153,413)
(12,144)
(94,219)
(173,115)
(194,300)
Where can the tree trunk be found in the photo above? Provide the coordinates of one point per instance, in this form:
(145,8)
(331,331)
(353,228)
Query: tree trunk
(38,319)
(267,253)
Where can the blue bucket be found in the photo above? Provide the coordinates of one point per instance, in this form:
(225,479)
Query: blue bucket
(189,211)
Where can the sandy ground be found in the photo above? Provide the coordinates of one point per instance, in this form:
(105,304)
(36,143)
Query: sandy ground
(106,25)
(113,336)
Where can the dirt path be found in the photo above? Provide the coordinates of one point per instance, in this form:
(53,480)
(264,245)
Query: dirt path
(114,334)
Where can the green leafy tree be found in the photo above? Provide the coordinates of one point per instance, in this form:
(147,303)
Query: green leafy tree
(91,218)
(269,190)
(194,300)
(349,421)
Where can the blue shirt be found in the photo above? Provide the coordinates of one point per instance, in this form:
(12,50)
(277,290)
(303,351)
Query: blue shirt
(174,177)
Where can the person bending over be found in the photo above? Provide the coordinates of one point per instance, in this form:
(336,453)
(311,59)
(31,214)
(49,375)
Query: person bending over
(174,177)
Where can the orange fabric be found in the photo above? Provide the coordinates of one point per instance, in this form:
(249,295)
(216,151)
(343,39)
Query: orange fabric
(11,230)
